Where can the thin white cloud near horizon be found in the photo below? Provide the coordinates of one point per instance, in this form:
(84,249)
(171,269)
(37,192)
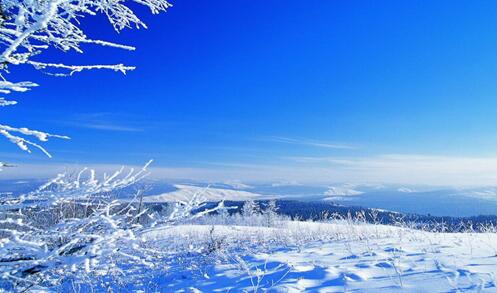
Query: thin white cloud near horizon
(309,142)
(103,121)
(380,169)
(412,169)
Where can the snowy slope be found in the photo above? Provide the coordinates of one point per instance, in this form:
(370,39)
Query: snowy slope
(343,257)
(334,191)
(183,192)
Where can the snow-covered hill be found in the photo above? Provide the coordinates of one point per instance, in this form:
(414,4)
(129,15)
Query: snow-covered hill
(184,192)
(338,191)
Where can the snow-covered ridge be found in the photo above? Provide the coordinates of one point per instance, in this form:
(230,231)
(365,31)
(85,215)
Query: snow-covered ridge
(341,191)
(184,192)
(405,190)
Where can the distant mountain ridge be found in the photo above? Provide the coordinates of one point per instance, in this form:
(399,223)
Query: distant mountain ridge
(424,200)
(185,192)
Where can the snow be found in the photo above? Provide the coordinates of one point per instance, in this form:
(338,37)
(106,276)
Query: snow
(340,192)
(405,190)
(183,192)
(340,257)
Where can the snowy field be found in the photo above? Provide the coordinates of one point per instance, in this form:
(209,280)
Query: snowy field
(76,236)
(326,257)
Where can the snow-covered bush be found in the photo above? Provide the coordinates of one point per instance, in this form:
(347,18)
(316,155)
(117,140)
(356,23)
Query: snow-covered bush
(268,217)
(73,229)
(250,208)
(270,213)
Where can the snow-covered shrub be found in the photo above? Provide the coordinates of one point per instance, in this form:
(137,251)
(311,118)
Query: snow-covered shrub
(250,208)
(223,214)
(270,213)
(74,229)
(237,219)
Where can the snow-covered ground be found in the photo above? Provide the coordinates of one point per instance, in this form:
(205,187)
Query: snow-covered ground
(327,257)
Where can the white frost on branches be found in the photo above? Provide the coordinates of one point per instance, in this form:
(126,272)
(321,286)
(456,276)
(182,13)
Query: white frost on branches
(13,134)
(8,87)
(68,223)
(76,229)
(85,184)
(28,27)
(17,135)
(23,143)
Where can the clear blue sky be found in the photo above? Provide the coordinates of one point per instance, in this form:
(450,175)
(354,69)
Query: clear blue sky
(277,84)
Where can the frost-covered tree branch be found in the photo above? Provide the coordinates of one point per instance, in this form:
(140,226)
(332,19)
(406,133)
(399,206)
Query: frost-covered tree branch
(28,27)
(23,143)
(18,135)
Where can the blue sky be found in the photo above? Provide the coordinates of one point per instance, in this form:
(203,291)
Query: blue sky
(285,90)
